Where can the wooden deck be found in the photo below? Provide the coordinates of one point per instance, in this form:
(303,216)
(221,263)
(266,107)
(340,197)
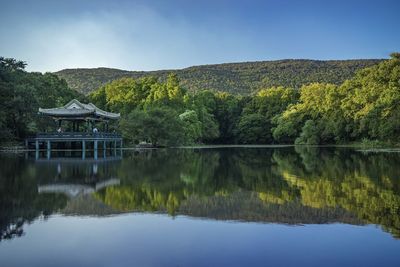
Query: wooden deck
(74,140)
(75,136)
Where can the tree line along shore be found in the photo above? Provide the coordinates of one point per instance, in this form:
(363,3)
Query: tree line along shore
(363,109)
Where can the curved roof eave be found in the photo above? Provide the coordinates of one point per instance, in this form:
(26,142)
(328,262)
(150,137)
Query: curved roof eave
(78,109)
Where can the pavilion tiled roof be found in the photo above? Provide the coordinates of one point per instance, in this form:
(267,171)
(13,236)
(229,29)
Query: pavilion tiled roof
(75,108)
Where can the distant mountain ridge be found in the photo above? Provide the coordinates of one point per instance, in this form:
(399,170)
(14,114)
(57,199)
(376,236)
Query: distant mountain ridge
(237,78)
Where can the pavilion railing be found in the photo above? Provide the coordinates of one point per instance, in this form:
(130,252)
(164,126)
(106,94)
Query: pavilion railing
(77,135)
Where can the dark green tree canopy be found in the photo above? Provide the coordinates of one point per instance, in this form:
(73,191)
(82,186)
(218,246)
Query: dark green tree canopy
(22,93)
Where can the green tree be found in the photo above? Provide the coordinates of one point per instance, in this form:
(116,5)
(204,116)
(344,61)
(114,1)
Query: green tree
(267,103)
(22,93)
(254,129)
(318,102)
(371,103)
(309,134)
(160,126)
(169,94)
(227,113)
(272,101)
(205,105)
(191,126)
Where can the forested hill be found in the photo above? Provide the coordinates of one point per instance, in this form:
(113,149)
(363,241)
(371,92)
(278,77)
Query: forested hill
(238,78)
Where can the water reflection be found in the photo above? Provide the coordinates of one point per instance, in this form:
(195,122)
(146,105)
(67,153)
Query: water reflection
(299,185)
(87,154)
(31,189)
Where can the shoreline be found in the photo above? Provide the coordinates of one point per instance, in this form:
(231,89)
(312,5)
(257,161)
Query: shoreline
(358,146)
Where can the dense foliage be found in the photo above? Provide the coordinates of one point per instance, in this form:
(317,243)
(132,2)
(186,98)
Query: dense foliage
(164,113)
(161,113)
(22,93)
(364,107)
(235,78)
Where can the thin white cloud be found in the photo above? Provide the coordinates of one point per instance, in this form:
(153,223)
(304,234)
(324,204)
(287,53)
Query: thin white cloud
(150,35)
(137,39)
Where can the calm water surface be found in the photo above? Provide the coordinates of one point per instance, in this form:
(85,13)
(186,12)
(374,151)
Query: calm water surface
(282,206)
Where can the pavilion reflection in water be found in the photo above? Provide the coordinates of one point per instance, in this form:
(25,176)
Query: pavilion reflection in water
(99,155)
(74,176)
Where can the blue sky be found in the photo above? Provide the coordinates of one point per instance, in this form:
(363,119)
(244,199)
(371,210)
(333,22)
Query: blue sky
(149,35)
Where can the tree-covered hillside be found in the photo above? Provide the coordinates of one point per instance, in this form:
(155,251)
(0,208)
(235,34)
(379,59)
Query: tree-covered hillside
(362,108)
(237,78)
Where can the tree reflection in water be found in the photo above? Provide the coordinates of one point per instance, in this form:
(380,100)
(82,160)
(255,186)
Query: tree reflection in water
(285,185)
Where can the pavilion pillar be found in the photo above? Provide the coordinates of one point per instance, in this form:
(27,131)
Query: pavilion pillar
(83,149)
(36,149)
(48,149)
(95,149)
(104,149)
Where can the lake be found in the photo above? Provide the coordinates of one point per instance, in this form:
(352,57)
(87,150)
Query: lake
(213,206)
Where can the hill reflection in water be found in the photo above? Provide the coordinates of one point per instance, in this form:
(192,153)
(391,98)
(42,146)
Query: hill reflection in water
(300,185)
